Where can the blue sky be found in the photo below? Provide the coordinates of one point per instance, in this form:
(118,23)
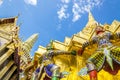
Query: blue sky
(55,19)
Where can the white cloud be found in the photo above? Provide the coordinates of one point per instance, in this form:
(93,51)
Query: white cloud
(62,12)
(75,11)
(82,6)
(79,7)
(31,2)
(65,1)
(76,15)
(1,2)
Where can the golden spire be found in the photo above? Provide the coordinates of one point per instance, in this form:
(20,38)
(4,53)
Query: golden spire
(28,44)
(91,19)
(88,30)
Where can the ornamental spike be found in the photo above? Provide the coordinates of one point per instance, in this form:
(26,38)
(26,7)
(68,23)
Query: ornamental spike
(109,60)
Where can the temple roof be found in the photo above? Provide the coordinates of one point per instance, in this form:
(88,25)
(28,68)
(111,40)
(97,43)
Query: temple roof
(8,20)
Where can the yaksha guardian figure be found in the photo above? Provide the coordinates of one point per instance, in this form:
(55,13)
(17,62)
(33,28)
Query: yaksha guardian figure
(107,55)
(48,66)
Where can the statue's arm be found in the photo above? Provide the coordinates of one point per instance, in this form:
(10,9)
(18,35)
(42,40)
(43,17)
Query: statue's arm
(94,40)
(113,36)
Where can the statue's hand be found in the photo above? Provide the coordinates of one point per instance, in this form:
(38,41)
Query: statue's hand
(83,71)
(64,73)
(73,52)
(50,53)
